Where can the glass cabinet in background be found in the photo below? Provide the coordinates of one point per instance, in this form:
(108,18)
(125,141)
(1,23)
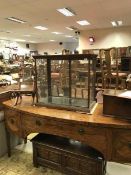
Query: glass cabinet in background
(66,81)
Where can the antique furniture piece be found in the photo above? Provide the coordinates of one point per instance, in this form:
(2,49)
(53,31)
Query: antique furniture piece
(26,88)
(66,81)
(112,68)
(67,156)
(110,136)
(15,140)
(117,103)
(25,85)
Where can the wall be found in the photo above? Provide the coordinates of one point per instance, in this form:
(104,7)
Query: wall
(22,48)
(54,47)
(6,51)
(105,38)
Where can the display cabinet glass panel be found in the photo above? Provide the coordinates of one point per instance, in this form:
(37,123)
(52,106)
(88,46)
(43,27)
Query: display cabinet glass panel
(66,81)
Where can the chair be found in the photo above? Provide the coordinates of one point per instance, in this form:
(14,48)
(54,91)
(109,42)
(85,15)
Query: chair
(25,87)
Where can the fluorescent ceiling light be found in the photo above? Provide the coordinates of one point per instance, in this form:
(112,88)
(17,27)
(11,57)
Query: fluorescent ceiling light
(66,11)
(114,24)
(120,23)
(32,41)
(83,22)
(27,35)
(41,28)
(52,40)
(57,33)
(68,36)
(69,28)
(5,31)
(20,40)
(16,20)
(3,38)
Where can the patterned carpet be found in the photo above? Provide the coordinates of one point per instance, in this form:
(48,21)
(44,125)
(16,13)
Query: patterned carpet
(20,163)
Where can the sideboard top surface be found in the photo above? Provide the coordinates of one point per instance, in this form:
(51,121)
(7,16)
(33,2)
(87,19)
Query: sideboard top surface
(95,119)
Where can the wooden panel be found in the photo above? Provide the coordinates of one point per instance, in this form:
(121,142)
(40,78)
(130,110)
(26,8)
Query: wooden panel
(13,121)
(95,137)
(70,158)
(49,154)
(3,97)
(79,165)
(122,145)
(117,106)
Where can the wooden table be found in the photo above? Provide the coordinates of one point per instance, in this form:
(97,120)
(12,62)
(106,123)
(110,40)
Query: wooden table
(111,136)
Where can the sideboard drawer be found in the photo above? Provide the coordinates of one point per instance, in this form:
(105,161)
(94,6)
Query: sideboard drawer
(95,137)
(13,121)
(122,145)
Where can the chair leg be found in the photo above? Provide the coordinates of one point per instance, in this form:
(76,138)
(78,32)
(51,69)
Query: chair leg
(33,98)
(17,99)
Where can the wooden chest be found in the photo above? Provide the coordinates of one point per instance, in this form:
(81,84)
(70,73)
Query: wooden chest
(67,156)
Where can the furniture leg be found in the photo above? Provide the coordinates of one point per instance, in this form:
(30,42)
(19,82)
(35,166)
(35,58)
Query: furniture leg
(35,162)
(25,140)
(8,143)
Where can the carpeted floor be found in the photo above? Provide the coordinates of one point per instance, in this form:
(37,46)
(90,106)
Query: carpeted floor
(20,163)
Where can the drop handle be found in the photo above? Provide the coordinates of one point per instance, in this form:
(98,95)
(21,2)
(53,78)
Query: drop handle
(38,123)
(81,131)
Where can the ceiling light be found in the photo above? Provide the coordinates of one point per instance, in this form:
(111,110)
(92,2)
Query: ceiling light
(57,33)
(68,36)
(52,40)
(20,40)
(120,23)
(16,20)
(69,28)
(114,24)
(41,28)
(66,11)
(27,35)
(5,31)
(83,23)
(32,41)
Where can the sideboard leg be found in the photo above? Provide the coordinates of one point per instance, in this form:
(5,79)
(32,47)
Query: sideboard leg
(8,143)
(25,140)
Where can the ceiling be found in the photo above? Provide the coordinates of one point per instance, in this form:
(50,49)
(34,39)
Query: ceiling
(99,13)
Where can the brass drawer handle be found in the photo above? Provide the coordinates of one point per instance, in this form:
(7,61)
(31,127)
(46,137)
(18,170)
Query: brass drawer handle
(38,123)
(81,131)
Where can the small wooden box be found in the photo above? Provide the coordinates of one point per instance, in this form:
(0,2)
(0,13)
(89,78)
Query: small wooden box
(117,106)
(67,156)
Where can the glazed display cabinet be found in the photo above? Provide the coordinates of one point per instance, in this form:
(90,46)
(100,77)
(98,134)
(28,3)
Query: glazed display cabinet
(66,81)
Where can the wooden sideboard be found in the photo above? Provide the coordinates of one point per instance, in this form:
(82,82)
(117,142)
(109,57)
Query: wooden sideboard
(111,136)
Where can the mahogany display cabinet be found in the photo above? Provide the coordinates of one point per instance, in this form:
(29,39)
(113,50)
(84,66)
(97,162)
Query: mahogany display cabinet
(66,81)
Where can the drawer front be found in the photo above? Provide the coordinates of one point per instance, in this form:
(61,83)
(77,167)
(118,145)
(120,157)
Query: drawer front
(122,146)
(95,137)
(13,121)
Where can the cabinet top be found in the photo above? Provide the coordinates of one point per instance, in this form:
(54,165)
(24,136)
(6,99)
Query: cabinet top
(66,57)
